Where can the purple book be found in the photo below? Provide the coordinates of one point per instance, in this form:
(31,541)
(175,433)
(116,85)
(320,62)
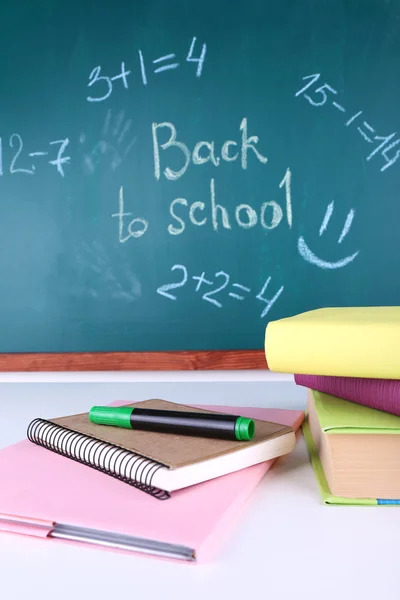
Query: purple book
(382,394)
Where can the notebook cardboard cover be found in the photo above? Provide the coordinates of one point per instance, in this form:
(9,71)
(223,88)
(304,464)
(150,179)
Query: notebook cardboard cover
(171,450)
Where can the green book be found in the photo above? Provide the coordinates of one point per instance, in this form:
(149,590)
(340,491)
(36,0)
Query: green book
(353,450)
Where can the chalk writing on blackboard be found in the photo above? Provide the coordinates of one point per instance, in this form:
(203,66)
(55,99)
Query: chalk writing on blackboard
(308,255)
(129,228)
(102,84)
(211,210)
(200,213)
(244,216)
(211,288)
(324,93)
(20,163)
(203,151)
(96,77)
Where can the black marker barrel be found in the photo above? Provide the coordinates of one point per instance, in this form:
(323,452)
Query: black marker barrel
(214,425)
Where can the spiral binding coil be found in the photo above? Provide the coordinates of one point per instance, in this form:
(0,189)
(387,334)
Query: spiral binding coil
(125,465)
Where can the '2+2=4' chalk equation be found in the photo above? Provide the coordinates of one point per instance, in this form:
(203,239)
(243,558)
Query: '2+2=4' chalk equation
(238,291)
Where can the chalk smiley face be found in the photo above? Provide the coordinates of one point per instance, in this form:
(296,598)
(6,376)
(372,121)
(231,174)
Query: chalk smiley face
(308,255)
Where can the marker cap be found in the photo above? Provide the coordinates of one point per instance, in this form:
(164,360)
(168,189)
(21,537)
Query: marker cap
(244,428)
(119,416)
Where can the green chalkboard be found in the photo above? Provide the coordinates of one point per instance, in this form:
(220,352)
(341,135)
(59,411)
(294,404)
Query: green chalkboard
(173,175)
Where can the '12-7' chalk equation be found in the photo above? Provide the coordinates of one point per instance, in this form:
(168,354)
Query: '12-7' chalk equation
(319,97)
(20,161)
(102,85)
(221,281)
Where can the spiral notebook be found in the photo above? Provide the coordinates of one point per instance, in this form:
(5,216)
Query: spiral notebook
(48,496)
(158,463)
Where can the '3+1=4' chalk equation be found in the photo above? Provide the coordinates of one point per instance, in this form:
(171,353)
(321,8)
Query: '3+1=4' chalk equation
(103,84)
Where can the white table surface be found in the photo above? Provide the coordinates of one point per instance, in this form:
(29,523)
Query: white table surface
(287,544)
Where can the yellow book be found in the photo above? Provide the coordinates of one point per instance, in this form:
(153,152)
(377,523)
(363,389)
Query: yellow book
(347,342)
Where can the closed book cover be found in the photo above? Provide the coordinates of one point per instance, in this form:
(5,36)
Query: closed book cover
(381,394)
(52,497)
(354,451)
(347,342)
(159,463)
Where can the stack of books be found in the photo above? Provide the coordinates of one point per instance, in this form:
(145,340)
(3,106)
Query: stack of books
(349,360)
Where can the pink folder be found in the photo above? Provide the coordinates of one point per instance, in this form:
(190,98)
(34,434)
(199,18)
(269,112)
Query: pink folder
(53,497)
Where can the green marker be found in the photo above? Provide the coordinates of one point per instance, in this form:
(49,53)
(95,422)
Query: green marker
(215,425)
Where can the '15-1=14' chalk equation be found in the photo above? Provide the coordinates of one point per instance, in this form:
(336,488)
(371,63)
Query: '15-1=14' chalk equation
(380,144)
(221,283)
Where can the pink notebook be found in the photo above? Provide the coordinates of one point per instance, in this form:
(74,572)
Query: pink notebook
(53,497)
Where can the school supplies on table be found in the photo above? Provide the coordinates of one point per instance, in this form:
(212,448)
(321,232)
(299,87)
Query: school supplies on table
(348,341)
(159,463)
(199,424)
(47,495)
(381,394)
(354,451)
